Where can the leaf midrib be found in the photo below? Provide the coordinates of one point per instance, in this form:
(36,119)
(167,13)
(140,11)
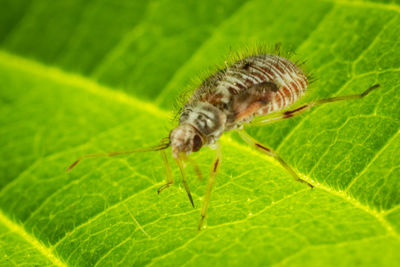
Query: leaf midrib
(63,77)
(33,241)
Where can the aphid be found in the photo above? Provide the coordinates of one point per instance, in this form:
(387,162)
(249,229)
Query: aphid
(240,94)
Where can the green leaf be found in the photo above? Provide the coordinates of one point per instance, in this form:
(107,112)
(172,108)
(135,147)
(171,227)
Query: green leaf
(80,77)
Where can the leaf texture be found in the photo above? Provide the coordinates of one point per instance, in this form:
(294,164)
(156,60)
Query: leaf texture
(88,76)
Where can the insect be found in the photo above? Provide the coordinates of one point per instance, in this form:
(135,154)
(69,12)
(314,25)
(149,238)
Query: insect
(240,94)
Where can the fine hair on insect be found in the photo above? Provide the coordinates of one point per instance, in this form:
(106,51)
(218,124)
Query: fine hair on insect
(253,88)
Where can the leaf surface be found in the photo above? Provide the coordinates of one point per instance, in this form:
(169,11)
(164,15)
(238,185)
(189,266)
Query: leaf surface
(107,81)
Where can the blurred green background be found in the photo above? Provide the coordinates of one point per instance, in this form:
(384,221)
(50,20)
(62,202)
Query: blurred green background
(78,77)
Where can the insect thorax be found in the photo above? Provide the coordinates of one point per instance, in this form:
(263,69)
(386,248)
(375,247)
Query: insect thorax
(256,85)
(206,118)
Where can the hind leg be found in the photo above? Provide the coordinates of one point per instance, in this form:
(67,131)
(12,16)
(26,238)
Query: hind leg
(257,145)
(306,107)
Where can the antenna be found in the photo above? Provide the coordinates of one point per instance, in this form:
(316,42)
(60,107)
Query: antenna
(163,145)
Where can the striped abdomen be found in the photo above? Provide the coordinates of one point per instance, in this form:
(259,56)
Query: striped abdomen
(256,85)
(290,80)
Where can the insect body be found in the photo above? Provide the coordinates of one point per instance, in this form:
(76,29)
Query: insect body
(233,97)
(256,85)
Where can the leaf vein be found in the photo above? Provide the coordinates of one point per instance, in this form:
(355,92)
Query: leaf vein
(371,44)
(376,156)
(98,215)
(368,4)
(355,202)
(164,92)
(155,259)
(339,244)
(29,238)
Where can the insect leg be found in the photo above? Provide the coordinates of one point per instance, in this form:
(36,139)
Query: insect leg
(181,166)
(211,181)
(308,106)
(254,143)
(196,168)
(168,171)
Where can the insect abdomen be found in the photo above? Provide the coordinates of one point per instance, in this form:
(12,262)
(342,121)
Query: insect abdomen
(256,85)
(290,80)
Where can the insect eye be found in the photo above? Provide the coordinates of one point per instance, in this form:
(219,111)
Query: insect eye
(197,143)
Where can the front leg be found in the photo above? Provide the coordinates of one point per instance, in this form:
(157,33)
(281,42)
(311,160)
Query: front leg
(169,178)
(213,174)
(257,145)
